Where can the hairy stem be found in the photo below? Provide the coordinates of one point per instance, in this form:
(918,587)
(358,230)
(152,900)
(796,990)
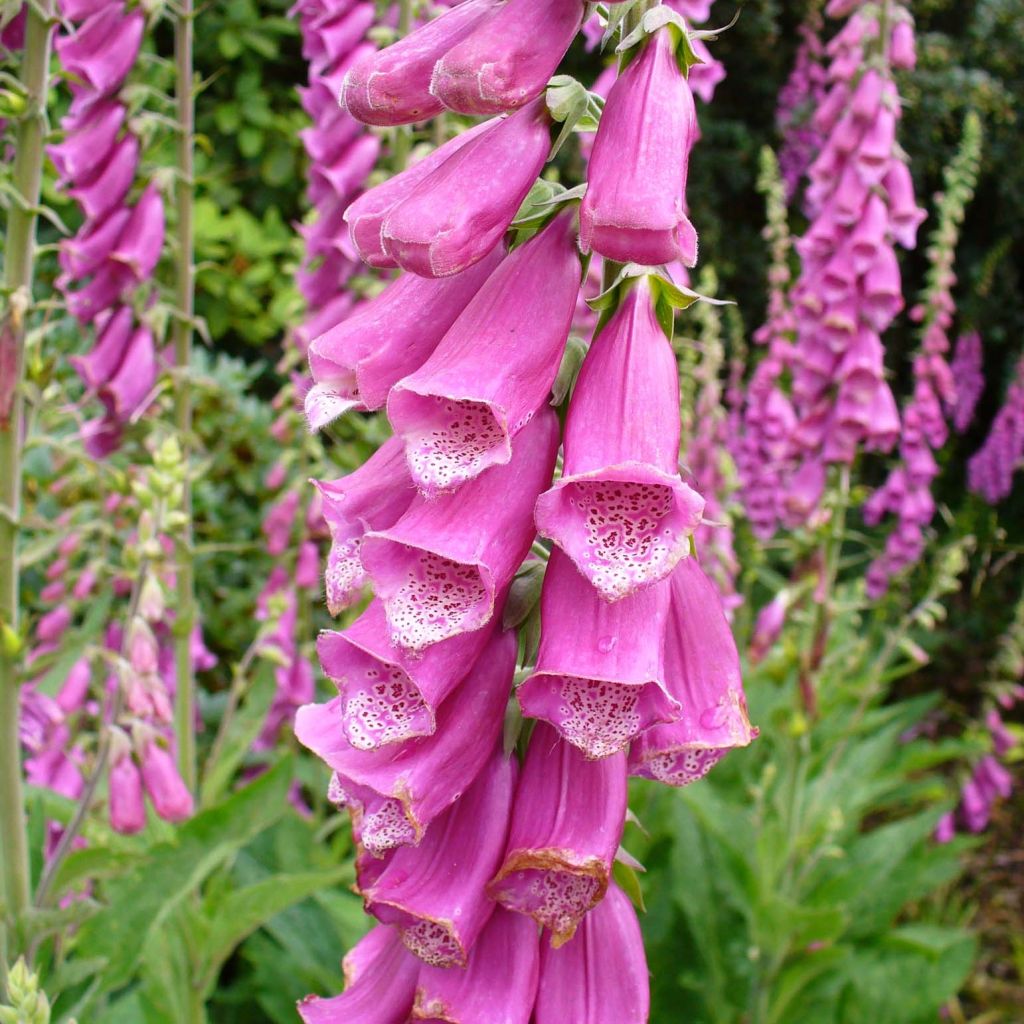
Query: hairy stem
(185,699)
(19,259)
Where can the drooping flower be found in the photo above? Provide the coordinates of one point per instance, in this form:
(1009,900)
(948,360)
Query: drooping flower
(461,410)
(566,826)
(440,569)
(634,210)
(991,469)
(599,677)
(127,807)
(620,510)
(171,798)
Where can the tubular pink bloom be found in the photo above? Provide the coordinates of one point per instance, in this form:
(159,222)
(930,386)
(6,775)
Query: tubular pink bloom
(440,568)
(460,411)
(599,678)
(499,984)
(127,808)
(53,624)
(380,982)
(124,392)
(945,830)
(102,192)
(434,892)
(87,137)
(768,627)
(458,212)
(104,47)
(387,694)
(357,362)
(600,977)
(507,61)
(170,796)
(101,363)
(140,243)
(566,827)
(365,217)
(87,251)
(372,497)
(702,672)
(620,510)
(634,210)
(398,791)
(392,86)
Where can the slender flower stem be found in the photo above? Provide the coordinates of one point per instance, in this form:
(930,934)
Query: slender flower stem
(184,701)
(19,258)
(401,142)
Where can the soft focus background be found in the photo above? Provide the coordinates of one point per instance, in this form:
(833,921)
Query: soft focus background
(802,881)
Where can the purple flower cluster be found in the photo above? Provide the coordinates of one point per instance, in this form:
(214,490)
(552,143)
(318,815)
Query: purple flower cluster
(990,470)
(119,243)
(463,852)
(967,370)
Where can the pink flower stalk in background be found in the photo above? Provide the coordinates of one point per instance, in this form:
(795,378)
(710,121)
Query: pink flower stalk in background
(461,410)
(620,510)
(966,369)
(636,212)
(991,469)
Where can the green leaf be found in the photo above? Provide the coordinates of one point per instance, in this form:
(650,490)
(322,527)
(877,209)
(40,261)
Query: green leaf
(628,881)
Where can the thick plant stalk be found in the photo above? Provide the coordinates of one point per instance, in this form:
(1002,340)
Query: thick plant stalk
(19,257)
(184,700)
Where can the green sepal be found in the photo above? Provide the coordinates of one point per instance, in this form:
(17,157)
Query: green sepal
(629,882)
(523,594)
(568,370)
(572,106)
(653,21)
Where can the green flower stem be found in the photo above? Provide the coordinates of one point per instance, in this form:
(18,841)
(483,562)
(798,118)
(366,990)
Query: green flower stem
(19,259)
(185,697)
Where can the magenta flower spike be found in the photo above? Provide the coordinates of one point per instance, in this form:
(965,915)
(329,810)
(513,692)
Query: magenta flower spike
(439,570)
(702,672)
(396,792)
(458,213)
(372,497)
(434,892)
(366,215)
(507,60)
(566,827)
(620,510)
(392,86)
(460,411)
(387,694)
(357,362)
(380,982)
(103,49)
(600,976)
(599,678)
(499,984)
(170,796)
(634,210)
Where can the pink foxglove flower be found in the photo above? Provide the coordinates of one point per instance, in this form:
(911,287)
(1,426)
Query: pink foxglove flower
(397,791)
(599,976)
(440,569)
(372,497)
(991,469)
(599,678)
(393,86)
(768,627)
(966,368)
(634,210)
(380,982)
(702,672)
(620,510)
(357,362)
(103,49)
(434,892)
(499,984)
(457,214)
(171,798)
(127,807)
(567,822)
(460,411)
(507,60)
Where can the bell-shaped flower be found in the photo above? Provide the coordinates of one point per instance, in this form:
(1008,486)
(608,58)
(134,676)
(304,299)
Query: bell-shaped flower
(620,510)
(507,60)
(600,976)
(102,50)
(392,86)
(397,791)
(87,138)
(440,568)
(566,827)
(434,892)
(702,672)
(599,678)
(389,695)
(372,497)
(101,362)
(85,252)
(499,984)
(460,411)
(366,215)
(380,982)
(132,382)
(357,362)
(634,210)
(170,796)
(105,189)
(458,213)
(127,807)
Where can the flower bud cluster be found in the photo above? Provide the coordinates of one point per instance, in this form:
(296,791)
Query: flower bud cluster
(991,469)
(119,243)
(967,369)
